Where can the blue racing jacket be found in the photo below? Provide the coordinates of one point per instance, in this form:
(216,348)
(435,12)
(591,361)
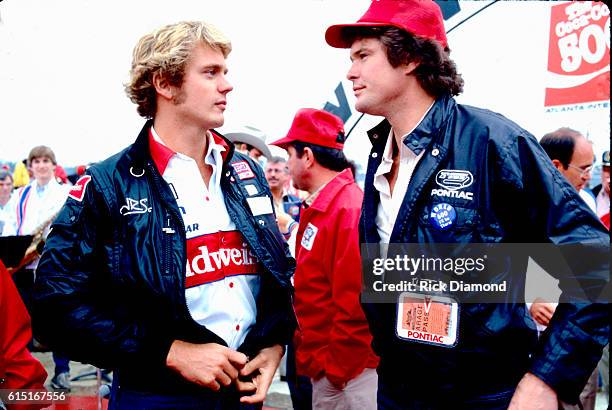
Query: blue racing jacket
(110,290)
(513,194)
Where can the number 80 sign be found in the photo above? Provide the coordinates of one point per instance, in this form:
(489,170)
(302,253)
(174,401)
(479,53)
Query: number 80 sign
(579,53)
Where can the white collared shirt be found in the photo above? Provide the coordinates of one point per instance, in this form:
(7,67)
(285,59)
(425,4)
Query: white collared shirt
(7,217)
(222,275)
(603,203)
(38,205)
(390,203)
(589,198)
(35,208)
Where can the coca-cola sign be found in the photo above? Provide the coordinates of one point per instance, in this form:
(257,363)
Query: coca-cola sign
(579,54)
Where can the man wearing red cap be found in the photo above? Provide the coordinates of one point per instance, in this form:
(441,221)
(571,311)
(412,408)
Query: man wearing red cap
(440,172)
(333,346)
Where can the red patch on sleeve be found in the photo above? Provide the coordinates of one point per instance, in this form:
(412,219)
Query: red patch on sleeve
(78,190)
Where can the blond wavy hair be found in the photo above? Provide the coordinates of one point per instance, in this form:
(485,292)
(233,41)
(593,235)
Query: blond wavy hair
(166,52)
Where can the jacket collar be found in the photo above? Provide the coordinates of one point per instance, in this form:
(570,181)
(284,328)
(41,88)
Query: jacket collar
(420,138)
(331,189)
(142,150)
(160,153)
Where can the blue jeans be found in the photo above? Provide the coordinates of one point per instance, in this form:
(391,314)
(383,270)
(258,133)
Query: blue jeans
(126,399)
(395,397)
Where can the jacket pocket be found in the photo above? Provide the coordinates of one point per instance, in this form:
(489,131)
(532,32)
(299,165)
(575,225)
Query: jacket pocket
(270,238)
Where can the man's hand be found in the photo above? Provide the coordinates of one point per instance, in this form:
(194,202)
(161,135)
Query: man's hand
(260,370)
(542,311)
(533,394)
(283,220)
(208,365)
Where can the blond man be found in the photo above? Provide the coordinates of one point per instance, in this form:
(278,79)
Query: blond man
(179,229)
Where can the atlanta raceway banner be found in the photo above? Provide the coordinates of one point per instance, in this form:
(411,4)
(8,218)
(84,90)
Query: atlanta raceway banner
(579,54)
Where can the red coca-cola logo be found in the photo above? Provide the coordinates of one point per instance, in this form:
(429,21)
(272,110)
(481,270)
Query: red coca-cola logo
(579,53)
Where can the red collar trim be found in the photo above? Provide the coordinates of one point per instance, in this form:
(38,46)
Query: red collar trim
(220,141)
(160,153)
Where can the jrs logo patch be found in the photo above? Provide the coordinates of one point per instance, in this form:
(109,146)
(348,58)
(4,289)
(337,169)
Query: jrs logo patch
(77,191)
(134,206)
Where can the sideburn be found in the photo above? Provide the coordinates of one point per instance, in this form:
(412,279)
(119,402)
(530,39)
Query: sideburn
(179,97)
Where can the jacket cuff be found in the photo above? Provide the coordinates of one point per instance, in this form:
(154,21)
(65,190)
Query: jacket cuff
(565,359)
(157,351)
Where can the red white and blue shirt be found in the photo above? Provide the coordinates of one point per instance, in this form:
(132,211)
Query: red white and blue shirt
(35,208)
(222,275)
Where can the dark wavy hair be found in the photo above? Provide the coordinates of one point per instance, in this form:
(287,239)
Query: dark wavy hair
(329,158)
(436,73)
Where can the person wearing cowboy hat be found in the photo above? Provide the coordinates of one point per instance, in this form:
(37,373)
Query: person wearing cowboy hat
(251,141)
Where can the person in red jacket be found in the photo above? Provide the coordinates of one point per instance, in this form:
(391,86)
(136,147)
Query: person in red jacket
(18,368)
(333,346)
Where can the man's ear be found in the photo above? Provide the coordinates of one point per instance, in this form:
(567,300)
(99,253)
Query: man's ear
(558,164)
(162,86)
(308,157)
(410,67)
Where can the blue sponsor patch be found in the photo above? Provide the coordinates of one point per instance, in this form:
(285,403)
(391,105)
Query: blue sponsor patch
(442,216)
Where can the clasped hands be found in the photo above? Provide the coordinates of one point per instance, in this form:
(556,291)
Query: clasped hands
(212,365)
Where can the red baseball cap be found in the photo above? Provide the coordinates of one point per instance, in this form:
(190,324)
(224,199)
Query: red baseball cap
(418,17)
(316,127)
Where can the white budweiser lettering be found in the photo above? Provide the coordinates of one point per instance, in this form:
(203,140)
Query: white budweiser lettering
(215,256)
(206,262)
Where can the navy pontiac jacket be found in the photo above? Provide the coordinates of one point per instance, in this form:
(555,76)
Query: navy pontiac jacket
(516,196)
(110,290)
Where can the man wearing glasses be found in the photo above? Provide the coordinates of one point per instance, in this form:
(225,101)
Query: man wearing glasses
(573,156)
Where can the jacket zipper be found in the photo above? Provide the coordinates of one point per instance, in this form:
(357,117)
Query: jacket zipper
(167,241)
(169,230)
